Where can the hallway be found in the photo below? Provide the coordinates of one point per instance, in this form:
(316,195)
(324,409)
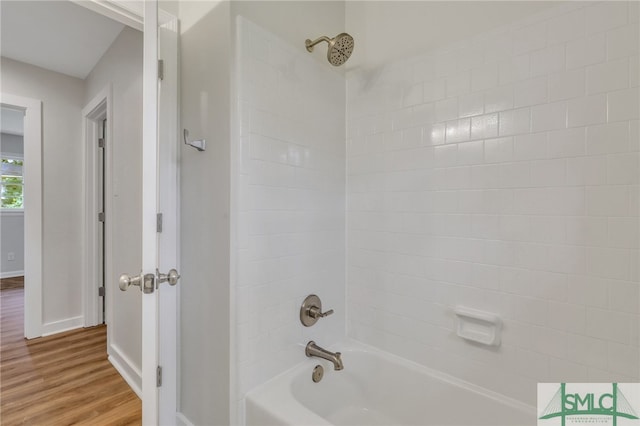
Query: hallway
(62,379)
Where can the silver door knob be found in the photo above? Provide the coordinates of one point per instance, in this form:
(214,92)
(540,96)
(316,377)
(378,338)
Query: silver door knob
(126,280)
(171,278)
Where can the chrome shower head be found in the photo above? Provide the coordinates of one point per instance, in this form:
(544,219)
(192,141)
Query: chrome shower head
(340,48)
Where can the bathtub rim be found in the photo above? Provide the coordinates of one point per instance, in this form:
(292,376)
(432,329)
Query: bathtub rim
(267,395)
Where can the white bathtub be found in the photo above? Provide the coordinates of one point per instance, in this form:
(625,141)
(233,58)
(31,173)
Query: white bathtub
(376,388)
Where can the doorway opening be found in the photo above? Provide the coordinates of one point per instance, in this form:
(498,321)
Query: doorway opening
(97,134)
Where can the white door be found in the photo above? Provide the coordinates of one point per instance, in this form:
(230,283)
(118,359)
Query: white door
(159,236)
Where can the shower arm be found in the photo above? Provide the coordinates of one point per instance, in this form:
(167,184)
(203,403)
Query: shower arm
(310,43)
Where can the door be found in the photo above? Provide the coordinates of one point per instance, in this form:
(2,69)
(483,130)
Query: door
(158,278)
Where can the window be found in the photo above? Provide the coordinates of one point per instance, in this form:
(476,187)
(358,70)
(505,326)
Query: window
(12,183)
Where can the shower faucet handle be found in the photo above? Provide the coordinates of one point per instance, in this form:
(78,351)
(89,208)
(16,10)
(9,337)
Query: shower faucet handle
(311,310)
(315,312)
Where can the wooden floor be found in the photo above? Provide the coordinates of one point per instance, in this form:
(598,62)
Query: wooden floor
(63,379)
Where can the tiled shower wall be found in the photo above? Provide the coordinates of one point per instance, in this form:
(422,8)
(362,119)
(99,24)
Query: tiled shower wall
(291,202)
(501,174)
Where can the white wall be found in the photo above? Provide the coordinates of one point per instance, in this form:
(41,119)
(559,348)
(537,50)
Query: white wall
(62,98)
(205,53)
(501,173)
(11,222)
(121,66)
(290,187)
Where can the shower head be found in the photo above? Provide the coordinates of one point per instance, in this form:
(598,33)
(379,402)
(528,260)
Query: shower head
(340,48)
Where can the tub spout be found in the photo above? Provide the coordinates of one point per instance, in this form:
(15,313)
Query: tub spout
(314,350)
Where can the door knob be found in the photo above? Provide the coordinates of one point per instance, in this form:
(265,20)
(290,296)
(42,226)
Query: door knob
(127,280)
(171,278)
(145,282)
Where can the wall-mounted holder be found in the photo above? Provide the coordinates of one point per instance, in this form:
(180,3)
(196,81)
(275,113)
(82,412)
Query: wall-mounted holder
(200,144)
(479,326)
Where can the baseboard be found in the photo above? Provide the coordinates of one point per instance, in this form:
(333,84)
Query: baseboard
(62,325)
(181,420)
(129,372)
(11,274)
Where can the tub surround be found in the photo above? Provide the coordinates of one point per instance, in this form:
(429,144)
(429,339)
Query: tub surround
(501,173)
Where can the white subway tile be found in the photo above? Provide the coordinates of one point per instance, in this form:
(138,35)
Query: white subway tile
(458,130)
(549,60)
(634,11)
(530,92)
(484,126)
(551,342)
(470,153)
(622,168)
(412,95)
(484,77)
(498,99)
(608,262)
(514,122)
(607,200)
(566,27)
(591,50)
(434,90)
(548,172)
(624,105)
(588,291)
(587,171)
(624,296)
(471,104)
(515,175)
(567,317)
(588,231)
(434,134)
(548,229)
(607,76)
(567,371)
(446,155)
(447,109)
(567,142)
(485,176)
(587,111)
(458,84)
(634,71)
(608,138)
(606,15)
(514,69)
(623,42)
(498,150)
(566,85)
(608,325)
(623,359)
(549,116)
(532,146)
(587,350)
(529,38)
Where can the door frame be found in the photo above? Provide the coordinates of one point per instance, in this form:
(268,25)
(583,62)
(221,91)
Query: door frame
(99,106)
(150,171)
(32,175)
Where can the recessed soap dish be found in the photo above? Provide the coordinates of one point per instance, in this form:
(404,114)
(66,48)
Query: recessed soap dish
(479,326)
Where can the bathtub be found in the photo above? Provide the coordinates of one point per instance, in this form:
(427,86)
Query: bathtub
(377,388)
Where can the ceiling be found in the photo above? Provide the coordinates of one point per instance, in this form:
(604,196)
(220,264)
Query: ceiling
(56,35)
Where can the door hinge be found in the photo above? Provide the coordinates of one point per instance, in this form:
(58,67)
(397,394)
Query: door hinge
(101,291)
(101,217)
(158,376)
(160,69)
(101,143)
(159,222)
